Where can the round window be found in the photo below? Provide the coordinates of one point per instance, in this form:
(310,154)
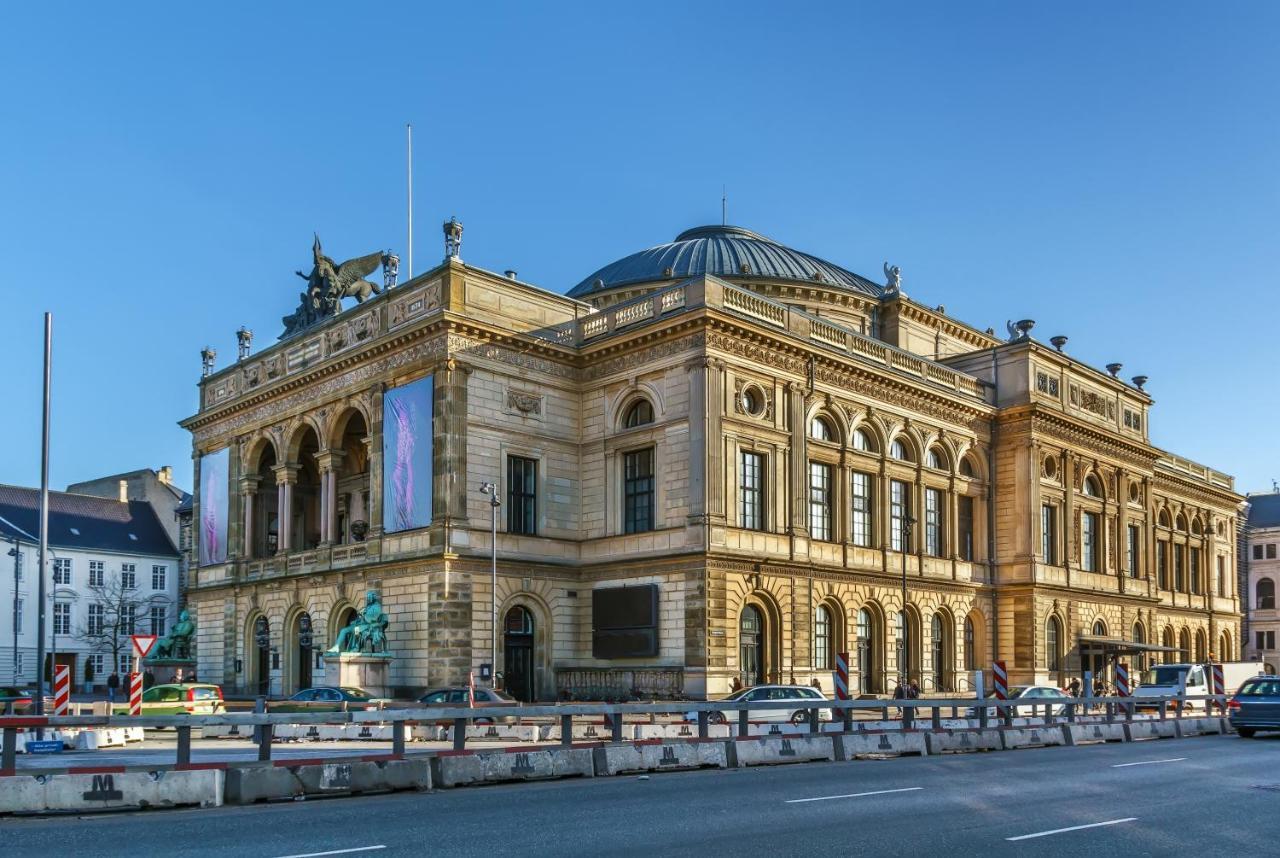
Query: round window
(1050,468)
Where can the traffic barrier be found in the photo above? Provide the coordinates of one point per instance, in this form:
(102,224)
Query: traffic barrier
(467,767)
(885,743)
(110,789)
(61,689)
(1152,728)
(225,731)
(1200,726)
(249,784)
(962,741)
(1000,678)
(1032,737)
(1085,734)
(586,732)
(135,694)
(642,732)
(495,733)
(842,676)
(1122,679)
(774,750)
(425,733)
(618,758)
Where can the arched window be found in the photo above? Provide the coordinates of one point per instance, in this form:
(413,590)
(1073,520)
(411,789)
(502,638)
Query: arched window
(935,459)
(862,441)
(941,652)
(751,666)
(1202,646)
(1184,646)
(1100,629)
(1092,487)
(899,451)
(1266,594)
(1180,523)
(966,468)
(822,659)
(820,429)
(868,654)
(970,653)
(1139,636)
(1164,518)
(1053,645)
(1166,640)
(639,414)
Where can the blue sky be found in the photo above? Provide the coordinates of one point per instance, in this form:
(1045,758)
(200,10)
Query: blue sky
(1109,170)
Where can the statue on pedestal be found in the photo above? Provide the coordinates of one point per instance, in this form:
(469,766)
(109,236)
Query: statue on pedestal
(327,284)
(367,631)
(176,644)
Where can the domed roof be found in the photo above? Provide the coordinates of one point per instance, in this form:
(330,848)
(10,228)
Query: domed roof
(723,251)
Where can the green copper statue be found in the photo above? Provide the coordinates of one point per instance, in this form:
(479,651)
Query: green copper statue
(367,632)
(177,644)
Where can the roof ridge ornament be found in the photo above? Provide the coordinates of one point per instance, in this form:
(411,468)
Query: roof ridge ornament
(893,281)
(1020,330)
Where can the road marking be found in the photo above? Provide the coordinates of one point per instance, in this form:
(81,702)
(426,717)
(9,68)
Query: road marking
(852,795)
(1073,828)
(1148,762)
(336,851)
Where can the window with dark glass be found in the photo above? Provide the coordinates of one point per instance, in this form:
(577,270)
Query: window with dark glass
(1053,651)
(1195,570)
(639,414)
(964,527)
(751,491)
(1257,552)
(1180,568)
(899,511)
(1222,576)
(1049,534)
(1266,594)
(820,501)
(862,509)
(822,638)
(1135,540)
(1089,542)
(1271,551)
(637,491)
(933,529)
(522,495)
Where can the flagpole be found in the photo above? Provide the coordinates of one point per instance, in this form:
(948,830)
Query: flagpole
(409,130)
(44,518)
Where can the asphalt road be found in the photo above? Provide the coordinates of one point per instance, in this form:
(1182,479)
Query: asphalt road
(1218,793)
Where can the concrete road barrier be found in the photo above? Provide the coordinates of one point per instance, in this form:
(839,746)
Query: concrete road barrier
(265,782)
(459,769)
(776,750)
(110,790)
(641,732)
(496,733)
(1201,726)
(866,743)
(1084,734)
(226,731)
(1151,729)
(1032,737)
(622,757)
(587,732)
(425,733)
(962,741)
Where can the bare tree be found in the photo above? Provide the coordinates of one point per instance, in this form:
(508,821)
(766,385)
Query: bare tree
(123,612)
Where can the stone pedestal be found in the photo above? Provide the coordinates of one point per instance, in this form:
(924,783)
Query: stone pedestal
(165,670)
(370,671)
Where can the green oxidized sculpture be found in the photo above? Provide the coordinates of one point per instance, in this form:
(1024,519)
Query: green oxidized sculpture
(367,632)
(177,644)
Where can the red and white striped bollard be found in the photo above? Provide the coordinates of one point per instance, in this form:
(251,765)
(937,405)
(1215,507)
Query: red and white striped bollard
(135,693)
(61,689)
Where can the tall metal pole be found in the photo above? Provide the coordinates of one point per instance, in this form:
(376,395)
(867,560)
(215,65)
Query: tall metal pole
(17,578)
(491,489)
(44,515)
(907,521)
(409,130)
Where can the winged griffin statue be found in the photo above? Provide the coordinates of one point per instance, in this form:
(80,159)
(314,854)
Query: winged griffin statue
(327,284)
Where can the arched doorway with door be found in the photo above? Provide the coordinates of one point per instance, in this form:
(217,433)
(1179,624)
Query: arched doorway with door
(751,646)
(870,654)
(941,636)
(519,678)
(300,653)
(908,645)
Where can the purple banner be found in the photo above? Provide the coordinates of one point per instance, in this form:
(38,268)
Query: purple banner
(407,413)
(213,508)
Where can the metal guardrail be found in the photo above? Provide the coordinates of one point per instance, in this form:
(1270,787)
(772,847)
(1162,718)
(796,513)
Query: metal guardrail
(909,716)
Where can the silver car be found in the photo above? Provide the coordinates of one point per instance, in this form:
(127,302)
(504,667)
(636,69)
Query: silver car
(798,694)
(1036,695)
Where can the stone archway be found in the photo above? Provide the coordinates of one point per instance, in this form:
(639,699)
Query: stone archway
(299,652)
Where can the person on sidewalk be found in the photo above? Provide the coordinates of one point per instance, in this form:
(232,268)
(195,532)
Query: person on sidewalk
(113,683)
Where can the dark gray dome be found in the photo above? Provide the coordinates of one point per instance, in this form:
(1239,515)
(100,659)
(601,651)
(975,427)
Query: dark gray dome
(723,251)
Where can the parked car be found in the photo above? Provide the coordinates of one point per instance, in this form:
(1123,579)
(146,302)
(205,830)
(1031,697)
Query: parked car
(1166,681)
(185,698)
(1255,706)
(798,694)
(329,698)
(1036,696)
(457,696)
(22,699)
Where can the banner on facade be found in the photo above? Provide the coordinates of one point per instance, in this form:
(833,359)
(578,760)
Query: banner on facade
(407,413)
(214,482)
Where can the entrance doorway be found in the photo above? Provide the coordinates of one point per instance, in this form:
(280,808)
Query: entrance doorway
(303,655)
(517,649)
(751,646)
(868,654)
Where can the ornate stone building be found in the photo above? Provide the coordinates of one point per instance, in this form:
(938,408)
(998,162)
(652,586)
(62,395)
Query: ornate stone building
(709,456)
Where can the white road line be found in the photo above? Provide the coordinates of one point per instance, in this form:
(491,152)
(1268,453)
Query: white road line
(336,851)
(1073,828)
(852,795)
(1148,762)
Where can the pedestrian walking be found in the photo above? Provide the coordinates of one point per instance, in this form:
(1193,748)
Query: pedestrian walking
(113,683)
(913,690)
(736,685)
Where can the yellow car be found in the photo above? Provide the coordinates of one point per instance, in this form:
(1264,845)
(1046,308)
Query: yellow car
(188,698)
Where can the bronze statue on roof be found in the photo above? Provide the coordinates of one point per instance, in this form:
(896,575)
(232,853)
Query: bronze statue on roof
(327,284)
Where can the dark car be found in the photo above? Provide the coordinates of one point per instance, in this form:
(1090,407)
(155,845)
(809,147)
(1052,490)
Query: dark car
(329,698)
(1256,706)
(457,697)
(21,700)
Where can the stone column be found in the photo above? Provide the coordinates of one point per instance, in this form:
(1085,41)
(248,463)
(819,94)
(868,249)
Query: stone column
(1122,528)
(799,482)
(713,379)
(329,462)
(248,489)
(286,476)
(700,438)
(1067,526)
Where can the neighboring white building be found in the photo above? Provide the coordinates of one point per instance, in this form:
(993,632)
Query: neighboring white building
(99,547)
(1262,535)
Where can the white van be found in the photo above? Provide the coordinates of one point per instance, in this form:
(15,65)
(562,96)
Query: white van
(1167,681)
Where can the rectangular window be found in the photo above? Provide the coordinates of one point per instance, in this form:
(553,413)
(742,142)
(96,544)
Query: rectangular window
(1162,565)
(964,522)
(751,501)
(933,528)
(1135,542)
(1257,552)
(1265,640)
(1180,568)
(863,503)
(1049,534)
(1222,575)
(899,512)
(97,573)
(128,618)
(96,623)
(158,575)
(820,501)
(157,618)
(62,618)
(1195,571)
(62,571)
(99,662)
(637,491)
(522,495)
(1089,533)
(128,576)
(17,615)
(751,491)
(124,664)
(1271,551)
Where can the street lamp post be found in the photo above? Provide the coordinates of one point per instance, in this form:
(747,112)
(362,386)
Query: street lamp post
(491,489)
(907,523)
(16,554)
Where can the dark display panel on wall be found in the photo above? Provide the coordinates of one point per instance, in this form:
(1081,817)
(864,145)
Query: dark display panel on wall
(407,413)
(214,483)
(624,622)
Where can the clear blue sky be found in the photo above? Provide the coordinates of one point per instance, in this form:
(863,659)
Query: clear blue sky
(1109,170)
